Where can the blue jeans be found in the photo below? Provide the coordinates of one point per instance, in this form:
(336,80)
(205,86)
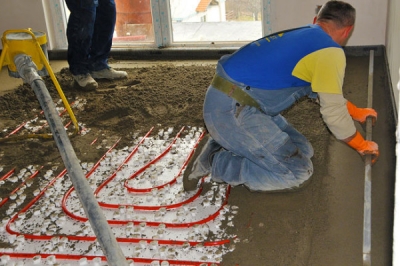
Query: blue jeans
(261,149)
(90,31)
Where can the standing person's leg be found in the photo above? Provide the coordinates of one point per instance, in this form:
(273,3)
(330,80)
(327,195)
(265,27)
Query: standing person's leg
(79,34)
(257,152)
(102,41)
(103,34)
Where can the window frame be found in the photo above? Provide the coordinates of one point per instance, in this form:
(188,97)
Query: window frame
(56,22)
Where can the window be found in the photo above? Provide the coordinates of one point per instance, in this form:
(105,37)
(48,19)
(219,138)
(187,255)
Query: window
(215,20)
(167,23)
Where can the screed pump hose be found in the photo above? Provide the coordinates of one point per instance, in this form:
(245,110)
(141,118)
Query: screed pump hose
(28,71)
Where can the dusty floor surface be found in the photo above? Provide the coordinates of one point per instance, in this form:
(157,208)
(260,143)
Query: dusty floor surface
(275,229)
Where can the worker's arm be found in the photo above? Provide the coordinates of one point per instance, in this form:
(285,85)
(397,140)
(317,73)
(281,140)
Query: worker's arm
(325,69)
(336,116)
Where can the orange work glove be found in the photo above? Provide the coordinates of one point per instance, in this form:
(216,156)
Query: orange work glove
(361,114)
(364,147)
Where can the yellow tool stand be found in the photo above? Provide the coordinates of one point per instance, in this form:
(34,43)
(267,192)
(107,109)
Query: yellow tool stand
(34,45)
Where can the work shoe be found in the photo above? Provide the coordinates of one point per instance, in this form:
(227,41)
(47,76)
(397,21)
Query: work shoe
(109,73)
(86,82)
(200,163)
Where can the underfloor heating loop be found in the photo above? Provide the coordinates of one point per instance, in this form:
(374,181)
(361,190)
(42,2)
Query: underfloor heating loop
(27,70)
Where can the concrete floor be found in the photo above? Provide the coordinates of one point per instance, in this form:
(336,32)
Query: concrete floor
(9,83)
(339,241)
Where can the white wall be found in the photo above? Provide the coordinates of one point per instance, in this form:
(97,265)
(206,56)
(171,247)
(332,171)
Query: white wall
(393,54)
(180,9)
(393,44)
(21,14)
(213,14)
(370,25)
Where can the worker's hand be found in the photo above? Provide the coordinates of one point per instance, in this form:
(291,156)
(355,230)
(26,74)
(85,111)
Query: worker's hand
(361,114)
(364,147)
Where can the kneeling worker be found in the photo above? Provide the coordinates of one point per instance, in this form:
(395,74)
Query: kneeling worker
(249,142)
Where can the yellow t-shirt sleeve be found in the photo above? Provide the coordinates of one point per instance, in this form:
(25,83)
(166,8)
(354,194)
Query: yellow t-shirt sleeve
(324,69)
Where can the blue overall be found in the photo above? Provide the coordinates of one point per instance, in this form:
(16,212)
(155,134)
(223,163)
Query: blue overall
(261,150)
(90,31)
